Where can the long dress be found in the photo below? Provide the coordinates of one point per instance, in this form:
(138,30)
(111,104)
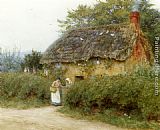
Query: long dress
(56,93)
(55,98)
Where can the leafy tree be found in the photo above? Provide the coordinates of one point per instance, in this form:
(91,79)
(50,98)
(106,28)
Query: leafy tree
(80,17)
(32,61)
(113,12)
(150,22)
(108,12)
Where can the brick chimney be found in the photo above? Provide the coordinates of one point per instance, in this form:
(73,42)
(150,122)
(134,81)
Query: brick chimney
(135,14)
(135,19)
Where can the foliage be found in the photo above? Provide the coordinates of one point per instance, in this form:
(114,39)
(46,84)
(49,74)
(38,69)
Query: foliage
(113,12)
(32,61)
(102,13)
(24,87)
(58,73)
(129,94)
(150,22)
(77,18)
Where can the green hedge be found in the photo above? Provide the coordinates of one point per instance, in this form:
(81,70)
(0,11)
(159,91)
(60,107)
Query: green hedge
(129,94)
(24,87)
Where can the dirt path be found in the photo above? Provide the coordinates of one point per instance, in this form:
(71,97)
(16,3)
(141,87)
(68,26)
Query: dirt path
(45,119)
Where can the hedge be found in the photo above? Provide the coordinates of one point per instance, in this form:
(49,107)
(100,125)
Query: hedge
(24,86)
(130,94)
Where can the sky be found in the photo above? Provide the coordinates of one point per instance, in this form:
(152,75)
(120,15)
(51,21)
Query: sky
(32,24)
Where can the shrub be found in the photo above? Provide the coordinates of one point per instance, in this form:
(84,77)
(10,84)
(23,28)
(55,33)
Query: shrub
(24,87)
(129,94)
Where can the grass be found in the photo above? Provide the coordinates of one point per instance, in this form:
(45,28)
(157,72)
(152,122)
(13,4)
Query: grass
(19,104)
(110,117)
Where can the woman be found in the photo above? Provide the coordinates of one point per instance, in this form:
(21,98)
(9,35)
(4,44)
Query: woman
(55,89)
(68,82)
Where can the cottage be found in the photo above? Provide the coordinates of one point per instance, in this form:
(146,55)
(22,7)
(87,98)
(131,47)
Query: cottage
(97,51)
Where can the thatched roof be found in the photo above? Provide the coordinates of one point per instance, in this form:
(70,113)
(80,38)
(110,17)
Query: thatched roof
(112,41)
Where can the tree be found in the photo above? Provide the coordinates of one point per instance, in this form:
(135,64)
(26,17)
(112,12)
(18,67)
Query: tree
(113,12)
(32,61)
(80,17)
(150,22)
(108,12)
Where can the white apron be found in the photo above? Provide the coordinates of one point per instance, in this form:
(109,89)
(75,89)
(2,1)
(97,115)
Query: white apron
(55,97)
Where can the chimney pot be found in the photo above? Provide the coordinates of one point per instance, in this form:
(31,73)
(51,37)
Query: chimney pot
(135,18)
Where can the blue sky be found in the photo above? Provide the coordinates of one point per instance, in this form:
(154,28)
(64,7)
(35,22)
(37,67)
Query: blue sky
(32,24)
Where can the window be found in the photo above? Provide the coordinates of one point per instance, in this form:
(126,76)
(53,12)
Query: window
(58,65)
(79,78)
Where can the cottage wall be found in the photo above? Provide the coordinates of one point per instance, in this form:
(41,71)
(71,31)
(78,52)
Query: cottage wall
(107,67)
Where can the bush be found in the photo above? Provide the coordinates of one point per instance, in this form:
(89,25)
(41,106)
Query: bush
(24,87)
(129,94)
